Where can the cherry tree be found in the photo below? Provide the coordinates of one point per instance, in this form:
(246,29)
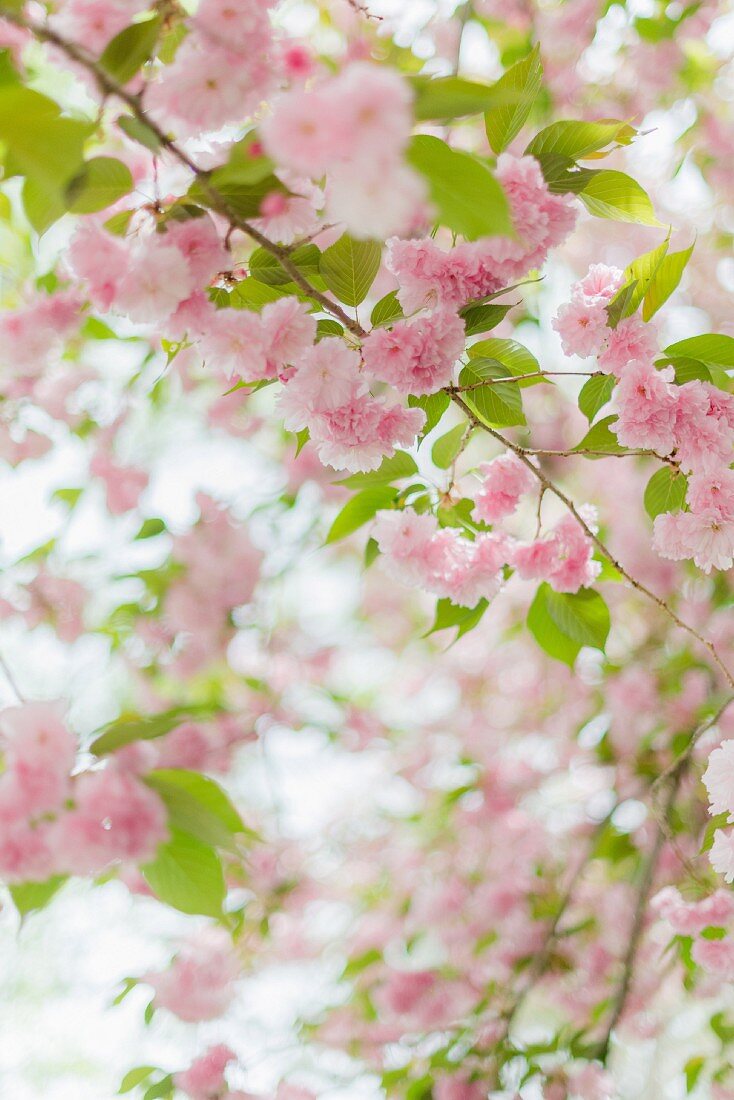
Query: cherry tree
(447,290)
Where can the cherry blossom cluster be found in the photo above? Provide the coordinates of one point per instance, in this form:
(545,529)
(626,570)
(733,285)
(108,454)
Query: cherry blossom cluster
(692,423)
(56,821)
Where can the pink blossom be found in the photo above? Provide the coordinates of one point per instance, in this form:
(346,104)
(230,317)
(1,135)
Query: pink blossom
(715,956)
(600,282)
(199,984)
(93,23)
(703,536)
(703,436)
(647,408)
(39,756)
(369,115)
(114,817)
(289,217)
(689,918)
(100,259)
(204,1079)
(355,197)
(582,326)
(416,356)
(631,342)
(25,852)
(712,493)
(199,242)
(721,855)
(504,480)
(459,1087)
(157,279)
(210,85)
(327,376)
(719,778)
(564,558)
(123,484)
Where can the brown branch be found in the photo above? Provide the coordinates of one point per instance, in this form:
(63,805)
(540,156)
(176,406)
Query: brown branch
(638,920)
(109,87)
(592,535)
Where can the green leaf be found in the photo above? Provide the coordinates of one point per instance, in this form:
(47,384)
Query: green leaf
(434,405)
(445,449)
(467,197)
(42,205)
(582,616)
(449,614)
(400,465)
(483,318)
(718,821)
(446,97)
(28,897)
(546,632)
(161,1090)
(618,305)
(41,145)
(349,268)
(512,355)
(387,310)
(151,527)
(576,140)
(641,272)
(721,1028)
(130,49)
(712,349)
(267,269)
(517,90)
(498,404)
(139,131)
(359,510)
(615,195)
(233,196)
(135,1077)
(99,184)
(666,279)
(187,875)
(123,731)
(665,492)
(253,294)
(595,393)
(601,438)
(198,806)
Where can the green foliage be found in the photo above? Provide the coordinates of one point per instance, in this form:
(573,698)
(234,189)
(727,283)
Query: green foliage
(612,194)
(467,197)
(515,357)
(483,318)
(349,268)
(400,465)
(198,806)
(712,349)
(28,897)
(666,279)
(639,275)
(516,92)
(446,97)
(665,492)
(139,131)
(498,404)
(562,622)
(387,310)
(595,393)
(601,438)
(434,406)
(577,140)
(449,614)
(187,875)
(447,447)
(266,268)
(134,1077)
(360,509)
(130,49)
(123,731)
(99,184)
